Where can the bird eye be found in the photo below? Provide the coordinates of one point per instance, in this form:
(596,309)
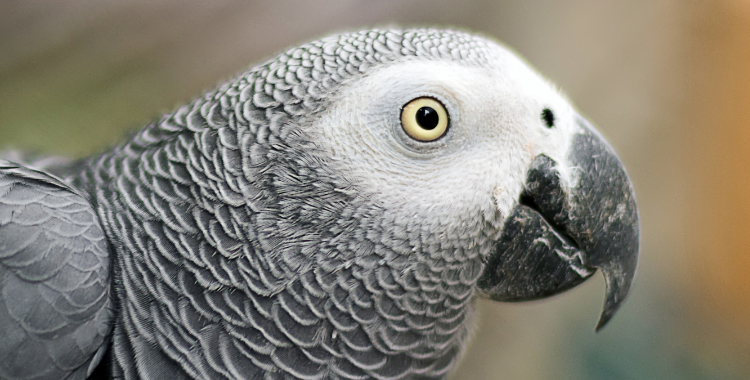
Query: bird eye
(424,119)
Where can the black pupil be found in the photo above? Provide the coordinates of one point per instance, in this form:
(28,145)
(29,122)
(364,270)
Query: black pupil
(549,117)
(427,118)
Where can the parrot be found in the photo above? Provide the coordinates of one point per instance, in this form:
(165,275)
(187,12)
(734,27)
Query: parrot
(331,213)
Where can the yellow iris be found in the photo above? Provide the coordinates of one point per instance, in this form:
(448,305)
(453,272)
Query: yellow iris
(424,119)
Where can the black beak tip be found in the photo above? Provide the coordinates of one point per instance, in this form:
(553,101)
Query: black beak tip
(610,308)
(618,285)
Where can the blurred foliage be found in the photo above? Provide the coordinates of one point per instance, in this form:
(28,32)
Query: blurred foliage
(666,81)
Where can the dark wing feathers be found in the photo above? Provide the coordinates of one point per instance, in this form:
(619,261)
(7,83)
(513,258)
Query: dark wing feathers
(55,308)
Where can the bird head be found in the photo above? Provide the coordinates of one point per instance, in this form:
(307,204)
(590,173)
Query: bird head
(356,194)
(473,154)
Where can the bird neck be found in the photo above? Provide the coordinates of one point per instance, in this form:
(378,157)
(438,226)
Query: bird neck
(273,264)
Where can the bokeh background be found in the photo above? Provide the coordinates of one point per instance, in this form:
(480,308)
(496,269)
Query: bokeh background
(667,81)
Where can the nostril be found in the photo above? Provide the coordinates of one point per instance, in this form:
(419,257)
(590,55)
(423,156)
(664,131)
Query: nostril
(548,117)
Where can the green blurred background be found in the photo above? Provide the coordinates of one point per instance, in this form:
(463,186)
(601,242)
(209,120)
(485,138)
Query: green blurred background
(667,81)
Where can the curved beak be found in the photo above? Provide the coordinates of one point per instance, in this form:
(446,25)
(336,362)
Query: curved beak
(559,233)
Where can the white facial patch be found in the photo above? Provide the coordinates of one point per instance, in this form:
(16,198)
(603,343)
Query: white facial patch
(476,171)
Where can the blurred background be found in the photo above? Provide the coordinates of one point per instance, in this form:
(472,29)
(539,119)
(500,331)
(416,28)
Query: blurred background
(667,81)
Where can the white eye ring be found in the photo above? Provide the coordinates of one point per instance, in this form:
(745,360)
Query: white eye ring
(424,119)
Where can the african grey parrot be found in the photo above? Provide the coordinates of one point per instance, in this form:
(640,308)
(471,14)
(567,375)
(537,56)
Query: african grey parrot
(329,214)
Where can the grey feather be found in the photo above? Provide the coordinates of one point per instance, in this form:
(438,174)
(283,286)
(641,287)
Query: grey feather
(55,309)
(243,254)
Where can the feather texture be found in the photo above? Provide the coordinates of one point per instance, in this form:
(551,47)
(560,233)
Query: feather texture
(243,253)
(55,309)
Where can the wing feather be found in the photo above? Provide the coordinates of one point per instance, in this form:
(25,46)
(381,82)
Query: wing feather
(55,306)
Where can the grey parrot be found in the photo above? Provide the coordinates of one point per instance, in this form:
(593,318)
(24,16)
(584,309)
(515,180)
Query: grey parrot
(332,213)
